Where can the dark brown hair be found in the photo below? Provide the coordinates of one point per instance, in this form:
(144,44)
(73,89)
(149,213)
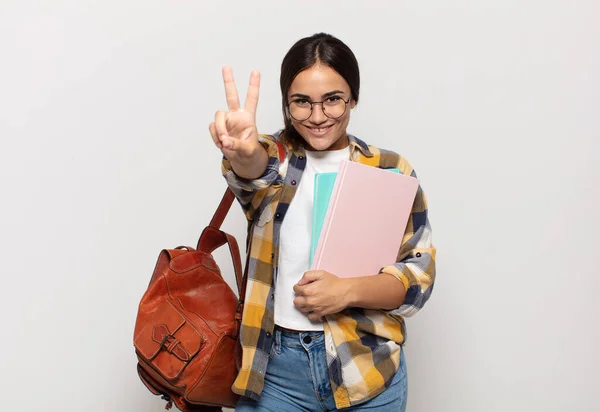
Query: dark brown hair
(320,48)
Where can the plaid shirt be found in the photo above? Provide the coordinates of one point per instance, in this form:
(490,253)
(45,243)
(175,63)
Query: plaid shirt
(363,346)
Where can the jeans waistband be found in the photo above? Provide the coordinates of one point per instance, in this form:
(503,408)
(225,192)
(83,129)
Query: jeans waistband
(298,339)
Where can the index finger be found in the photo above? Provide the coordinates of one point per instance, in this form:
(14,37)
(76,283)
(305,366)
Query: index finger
(252,95)
(231,94)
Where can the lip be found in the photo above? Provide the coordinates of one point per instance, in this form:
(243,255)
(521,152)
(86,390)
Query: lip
(321,132)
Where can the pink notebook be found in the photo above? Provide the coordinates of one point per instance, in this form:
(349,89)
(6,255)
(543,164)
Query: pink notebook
(365,221)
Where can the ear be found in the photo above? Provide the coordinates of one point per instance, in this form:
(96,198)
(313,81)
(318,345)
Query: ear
(352,104)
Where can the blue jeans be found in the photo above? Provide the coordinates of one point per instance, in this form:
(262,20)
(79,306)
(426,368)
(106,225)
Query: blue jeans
(297,380)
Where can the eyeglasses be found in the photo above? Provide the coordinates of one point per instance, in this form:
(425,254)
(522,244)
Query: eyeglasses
(334,107)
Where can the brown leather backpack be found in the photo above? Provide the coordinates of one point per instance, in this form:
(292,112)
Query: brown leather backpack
(188,322)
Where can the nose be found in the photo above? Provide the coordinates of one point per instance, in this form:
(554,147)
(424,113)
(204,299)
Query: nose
(318,115)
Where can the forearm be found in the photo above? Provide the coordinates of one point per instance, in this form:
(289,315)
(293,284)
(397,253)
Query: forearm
(382,291)
(253,193)
(251,167)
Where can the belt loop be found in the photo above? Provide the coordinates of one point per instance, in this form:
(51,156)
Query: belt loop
(277,339)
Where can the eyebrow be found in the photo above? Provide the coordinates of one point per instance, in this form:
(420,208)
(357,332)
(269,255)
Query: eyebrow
(326,95)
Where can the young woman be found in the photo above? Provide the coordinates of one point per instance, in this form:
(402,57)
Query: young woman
(311,340)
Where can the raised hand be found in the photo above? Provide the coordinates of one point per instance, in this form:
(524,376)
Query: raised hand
(234,131)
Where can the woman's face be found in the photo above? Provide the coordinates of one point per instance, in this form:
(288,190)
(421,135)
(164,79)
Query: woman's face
(316,84)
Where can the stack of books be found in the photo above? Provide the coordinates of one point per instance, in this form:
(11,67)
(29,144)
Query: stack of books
(359,219)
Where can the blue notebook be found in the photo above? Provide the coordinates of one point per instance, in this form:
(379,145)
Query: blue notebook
(324,183)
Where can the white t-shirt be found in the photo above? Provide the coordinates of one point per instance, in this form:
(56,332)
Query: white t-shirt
(294,240)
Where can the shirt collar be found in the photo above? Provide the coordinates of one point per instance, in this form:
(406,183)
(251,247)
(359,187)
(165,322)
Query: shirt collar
(355,142)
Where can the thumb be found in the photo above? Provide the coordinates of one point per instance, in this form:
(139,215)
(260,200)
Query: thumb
(229,143)
(242,148)
(310,276)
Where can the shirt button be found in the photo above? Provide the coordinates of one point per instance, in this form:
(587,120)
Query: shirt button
(293,182)
(272,296)
(418,254)
(307,339)
(300,157)
(268,334)
(277,215)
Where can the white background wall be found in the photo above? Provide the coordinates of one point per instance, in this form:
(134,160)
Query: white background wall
(105,159)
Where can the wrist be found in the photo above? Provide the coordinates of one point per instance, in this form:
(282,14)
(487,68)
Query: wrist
(253,164)
(350,296)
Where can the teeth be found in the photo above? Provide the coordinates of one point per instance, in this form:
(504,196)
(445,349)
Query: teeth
(320,129)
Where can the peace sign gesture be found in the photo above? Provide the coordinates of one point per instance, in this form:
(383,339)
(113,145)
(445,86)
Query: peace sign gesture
(234,132)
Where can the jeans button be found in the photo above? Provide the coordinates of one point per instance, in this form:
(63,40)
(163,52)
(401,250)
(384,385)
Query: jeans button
(307,339)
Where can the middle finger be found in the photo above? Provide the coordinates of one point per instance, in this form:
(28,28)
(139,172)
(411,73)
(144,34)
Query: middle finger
(231,94)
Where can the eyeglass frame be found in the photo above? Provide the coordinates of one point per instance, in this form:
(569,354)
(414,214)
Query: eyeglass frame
(322,108)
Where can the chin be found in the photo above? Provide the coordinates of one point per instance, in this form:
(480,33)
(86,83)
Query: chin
(319,144)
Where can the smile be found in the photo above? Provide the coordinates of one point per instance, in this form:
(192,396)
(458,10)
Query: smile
(318,131)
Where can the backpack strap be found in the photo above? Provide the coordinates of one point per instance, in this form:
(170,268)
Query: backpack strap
(212,238)
(223,209)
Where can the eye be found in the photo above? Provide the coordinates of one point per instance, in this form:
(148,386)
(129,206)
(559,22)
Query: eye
(333,99)
(301,102)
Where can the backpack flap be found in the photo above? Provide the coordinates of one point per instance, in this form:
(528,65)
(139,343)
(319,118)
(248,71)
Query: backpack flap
(168,341)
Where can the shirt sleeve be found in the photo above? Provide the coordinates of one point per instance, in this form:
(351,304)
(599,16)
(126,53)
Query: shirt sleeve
(253,193)
(415,266)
